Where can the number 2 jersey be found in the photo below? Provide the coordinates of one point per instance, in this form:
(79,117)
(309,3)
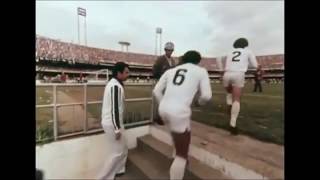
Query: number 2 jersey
(239,59)
(177,87)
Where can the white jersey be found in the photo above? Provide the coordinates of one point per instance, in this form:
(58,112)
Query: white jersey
(239,59)
(113,105)
(181,83)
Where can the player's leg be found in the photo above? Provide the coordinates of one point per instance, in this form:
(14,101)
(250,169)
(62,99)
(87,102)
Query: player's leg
(235,109)
(164,118)
(181,143)
(155,111)
(229,98)
(236,95)
(228,88)
(255,86)
(260,86)
(180,131)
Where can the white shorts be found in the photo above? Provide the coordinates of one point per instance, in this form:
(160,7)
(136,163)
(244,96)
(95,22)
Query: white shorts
(177,122)
(233,78)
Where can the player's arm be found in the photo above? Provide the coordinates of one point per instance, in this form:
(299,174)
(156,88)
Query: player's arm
(253,60)
(205,89)
(160,86)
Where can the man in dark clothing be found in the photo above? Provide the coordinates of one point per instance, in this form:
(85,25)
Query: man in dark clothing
(258,78)
(162,64)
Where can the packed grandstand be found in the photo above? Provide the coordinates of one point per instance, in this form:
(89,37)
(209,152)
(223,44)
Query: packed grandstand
(54,57)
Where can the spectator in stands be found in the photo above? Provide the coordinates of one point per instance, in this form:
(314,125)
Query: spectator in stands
(85,79)
(67,77)
(81,77)
(63,78)
(258,76)
(112,122)
(162,64)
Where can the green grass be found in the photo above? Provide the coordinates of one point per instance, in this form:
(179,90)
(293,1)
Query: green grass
(134,111)
(137,111)
(268,89)
(44,125)
(261,115)
(44,95)
(138,91)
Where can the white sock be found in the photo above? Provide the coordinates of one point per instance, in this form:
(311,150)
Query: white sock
(234,113)
(229,99)
(177,168)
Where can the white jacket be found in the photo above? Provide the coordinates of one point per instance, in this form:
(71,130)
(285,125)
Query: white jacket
(113,105)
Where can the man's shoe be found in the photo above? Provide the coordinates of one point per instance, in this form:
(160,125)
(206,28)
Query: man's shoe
(234,131)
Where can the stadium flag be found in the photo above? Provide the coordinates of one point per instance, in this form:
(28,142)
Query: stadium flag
(82,11)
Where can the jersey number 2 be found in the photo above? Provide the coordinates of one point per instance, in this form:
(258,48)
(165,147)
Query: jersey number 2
(179,73)
(238,53)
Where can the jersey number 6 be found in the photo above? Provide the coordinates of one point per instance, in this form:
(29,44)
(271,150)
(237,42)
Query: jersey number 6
(179,73)
(238,53)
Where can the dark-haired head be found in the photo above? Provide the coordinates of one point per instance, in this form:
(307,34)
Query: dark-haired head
(191,57)
(241,43)
(120,71)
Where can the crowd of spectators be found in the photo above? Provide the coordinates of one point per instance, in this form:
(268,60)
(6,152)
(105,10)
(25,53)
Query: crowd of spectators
(55,50)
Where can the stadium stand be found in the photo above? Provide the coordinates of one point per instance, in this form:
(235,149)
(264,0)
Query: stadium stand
(65,56)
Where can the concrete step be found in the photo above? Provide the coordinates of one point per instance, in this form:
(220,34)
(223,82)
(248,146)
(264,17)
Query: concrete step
(132,172)
(154,158)
(236,156)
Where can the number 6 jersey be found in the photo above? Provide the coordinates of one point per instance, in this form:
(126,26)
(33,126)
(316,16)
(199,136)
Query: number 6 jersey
(178,86)
(239,59)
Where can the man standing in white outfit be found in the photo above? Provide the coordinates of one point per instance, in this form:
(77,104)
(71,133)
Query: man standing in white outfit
(112,122)
(237,64)
(181,84)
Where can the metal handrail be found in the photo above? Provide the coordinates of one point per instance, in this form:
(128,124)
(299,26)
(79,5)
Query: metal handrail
(84,103)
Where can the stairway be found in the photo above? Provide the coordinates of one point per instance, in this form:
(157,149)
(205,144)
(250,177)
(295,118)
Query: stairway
(151,159)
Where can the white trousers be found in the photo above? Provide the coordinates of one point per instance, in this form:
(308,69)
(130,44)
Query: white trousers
(116,160)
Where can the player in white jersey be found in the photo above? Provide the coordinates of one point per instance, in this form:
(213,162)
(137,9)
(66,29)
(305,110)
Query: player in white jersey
(180,84)
(234,76)
(112,123)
